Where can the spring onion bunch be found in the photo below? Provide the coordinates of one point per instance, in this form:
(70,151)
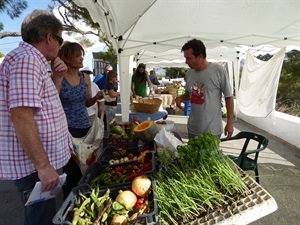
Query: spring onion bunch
(201,180)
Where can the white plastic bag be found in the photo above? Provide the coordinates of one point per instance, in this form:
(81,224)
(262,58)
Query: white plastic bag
(166,139)
(88,148)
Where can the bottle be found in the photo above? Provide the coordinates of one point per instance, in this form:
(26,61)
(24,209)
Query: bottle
(151,94)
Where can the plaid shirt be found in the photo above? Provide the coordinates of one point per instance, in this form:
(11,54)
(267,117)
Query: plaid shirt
(24,82)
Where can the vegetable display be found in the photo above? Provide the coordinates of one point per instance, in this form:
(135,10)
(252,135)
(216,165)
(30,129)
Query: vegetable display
(111,175)
(200,180)
(110,207)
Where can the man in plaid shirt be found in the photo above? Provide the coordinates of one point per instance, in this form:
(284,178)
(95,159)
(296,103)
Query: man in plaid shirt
(34,137)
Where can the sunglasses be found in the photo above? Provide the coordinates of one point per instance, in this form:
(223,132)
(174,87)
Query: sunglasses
(58,38)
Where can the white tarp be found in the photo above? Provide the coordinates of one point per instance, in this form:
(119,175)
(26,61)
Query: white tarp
(259,84)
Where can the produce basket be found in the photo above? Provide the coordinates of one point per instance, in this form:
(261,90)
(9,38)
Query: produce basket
(118,174)
(64,215)
(172,90)
(117,155)
(147,105)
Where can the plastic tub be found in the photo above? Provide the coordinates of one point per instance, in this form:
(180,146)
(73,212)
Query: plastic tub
(169,124)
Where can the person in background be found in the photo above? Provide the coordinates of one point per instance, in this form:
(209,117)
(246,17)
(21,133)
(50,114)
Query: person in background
(95,89)
(75,94)
(205,83)
(111,95)
(35,143)
(101,79)
(153,78)
(139,81)
(133,70)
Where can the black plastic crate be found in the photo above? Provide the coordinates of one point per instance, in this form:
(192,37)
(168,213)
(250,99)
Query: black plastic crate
(109,140)
(64,215)
(111,175)
(116,155)
(149,145)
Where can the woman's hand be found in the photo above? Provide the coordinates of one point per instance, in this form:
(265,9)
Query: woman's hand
(99,95)
(58,67)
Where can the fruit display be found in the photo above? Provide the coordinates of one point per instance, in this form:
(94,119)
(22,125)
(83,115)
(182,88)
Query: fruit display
(146,130)
(121,134)
(122,129)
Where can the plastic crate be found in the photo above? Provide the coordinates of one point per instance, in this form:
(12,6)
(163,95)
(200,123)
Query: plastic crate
(97,168)
(108,140)
(150,146)
(64,214)
(112,152)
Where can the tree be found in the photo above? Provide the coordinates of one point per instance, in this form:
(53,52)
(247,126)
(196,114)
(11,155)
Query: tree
(13,8)
(72,14)
(175,72)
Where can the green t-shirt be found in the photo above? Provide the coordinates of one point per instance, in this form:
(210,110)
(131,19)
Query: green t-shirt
(140,85)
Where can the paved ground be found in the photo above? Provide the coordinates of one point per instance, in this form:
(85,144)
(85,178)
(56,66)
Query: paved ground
(279,168)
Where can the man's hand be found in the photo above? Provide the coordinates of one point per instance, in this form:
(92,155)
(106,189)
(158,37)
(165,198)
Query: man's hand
(228,130)
(49,178)
(178,102)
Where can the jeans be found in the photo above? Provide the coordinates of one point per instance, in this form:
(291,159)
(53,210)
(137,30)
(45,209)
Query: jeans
(73,176)
(38,213)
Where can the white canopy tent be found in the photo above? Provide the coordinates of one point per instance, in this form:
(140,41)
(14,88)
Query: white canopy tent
(145,30)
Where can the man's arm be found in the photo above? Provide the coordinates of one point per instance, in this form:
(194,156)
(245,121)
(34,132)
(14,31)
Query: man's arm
(228,130)
(28,136)
(132,89)
(148,79)
(180,99)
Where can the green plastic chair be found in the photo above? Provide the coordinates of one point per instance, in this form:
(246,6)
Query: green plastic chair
(247,159)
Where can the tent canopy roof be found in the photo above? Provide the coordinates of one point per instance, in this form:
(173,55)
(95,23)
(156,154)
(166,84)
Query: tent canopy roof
(137,27)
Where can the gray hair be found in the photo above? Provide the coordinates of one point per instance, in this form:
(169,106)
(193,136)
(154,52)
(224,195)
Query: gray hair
(38,24)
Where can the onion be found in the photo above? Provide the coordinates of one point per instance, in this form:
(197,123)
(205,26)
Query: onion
(141,186)
(119,220)
(127,198)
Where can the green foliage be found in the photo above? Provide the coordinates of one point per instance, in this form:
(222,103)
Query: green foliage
(289,85)
(108,56)
(175,72)
(13,8)
(68,10)
(1,55)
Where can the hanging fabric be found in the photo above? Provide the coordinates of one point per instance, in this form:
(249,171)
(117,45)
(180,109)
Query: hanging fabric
(259,84)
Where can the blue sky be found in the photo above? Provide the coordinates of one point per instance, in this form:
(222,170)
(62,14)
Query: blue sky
(9,43)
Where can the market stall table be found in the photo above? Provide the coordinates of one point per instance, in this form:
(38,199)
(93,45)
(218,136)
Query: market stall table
(168,100)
